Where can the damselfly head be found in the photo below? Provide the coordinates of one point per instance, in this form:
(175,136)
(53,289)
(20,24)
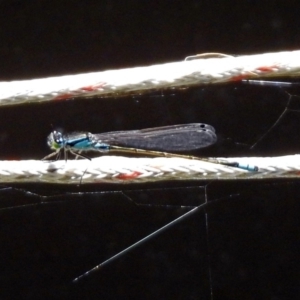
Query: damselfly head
(55,140)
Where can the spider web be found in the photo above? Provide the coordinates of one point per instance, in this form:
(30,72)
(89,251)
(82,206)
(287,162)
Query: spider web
(244,234)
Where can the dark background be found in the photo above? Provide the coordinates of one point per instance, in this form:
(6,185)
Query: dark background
(244,245)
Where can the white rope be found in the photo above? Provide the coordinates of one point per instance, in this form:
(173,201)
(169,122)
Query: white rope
(176,74)
(116,169)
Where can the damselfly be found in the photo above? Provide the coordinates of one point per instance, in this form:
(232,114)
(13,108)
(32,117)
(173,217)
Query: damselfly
(158,141)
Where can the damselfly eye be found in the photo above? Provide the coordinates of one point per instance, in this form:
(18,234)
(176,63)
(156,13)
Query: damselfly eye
(57,136)
(55,140)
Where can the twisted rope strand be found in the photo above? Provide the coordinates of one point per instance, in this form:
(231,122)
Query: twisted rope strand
(117,169)
(169,75)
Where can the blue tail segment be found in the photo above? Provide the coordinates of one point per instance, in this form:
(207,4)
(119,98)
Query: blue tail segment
(246,167)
